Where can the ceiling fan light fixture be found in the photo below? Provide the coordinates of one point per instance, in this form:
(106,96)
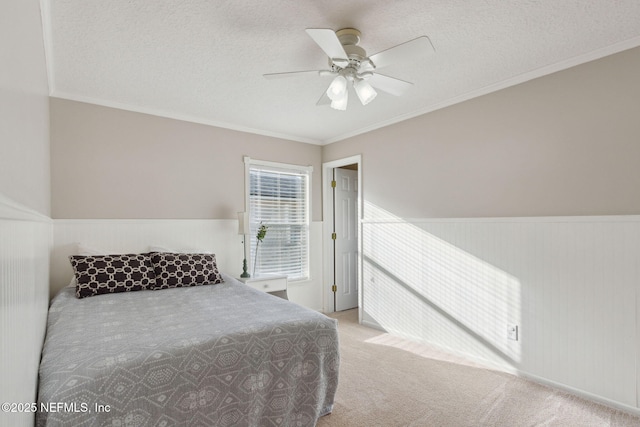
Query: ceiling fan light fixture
(337,89)
(349,64)
(341,103)
(366,93)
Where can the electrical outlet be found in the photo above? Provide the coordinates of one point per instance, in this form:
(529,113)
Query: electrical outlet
(512,332)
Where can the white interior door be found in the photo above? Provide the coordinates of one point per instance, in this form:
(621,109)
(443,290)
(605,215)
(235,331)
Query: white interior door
(346,242)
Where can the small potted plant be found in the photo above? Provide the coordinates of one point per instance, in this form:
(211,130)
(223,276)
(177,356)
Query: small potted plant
(262,232)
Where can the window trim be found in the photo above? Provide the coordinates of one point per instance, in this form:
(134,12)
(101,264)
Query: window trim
(308,170)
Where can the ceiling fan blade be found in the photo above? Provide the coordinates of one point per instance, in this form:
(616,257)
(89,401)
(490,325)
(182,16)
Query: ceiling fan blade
(324,100)
(402,52)
(328,41)
(389,84)
(291,74)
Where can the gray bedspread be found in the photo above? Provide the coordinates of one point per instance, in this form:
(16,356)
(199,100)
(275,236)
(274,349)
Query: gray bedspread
(213,355)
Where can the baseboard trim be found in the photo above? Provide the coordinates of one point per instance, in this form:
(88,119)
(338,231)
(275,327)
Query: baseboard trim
(580,393)
(373,325)
(523,374)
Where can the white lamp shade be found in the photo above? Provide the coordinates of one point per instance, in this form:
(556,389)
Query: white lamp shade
(243,223)
(341,103)
(337,88)
(365,91)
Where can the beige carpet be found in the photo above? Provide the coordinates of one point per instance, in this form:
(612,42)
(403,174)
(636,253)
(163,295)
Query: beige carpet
(386,381)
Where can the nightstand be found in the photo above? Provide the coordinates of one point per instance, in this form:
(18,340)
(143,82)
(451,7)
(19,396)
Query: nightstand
(272,284)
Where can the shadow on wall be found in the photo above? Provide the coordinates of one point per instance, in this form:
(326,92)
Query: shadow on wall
(422,287)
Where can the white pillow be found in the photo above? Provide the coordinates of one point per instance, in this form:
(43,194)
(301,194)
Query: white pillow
(159,249)
(88,250)
(73,283)
(153,248)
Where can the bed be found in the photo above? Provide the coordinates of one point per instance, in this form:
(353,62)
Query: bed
(212,355)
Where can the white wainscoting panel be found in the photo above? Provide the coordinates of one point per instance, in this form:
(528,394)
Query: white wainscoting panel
(569,284)
(133,236)
(308,293)
(25,238)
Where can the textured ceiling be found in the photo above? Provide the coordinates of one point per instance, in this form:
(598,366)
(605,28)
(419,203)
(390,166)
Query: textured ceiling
(203,60)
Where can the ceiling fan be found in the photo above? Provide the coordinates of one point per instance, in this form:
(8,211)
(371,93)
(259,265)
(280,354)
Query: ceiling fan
(350,65)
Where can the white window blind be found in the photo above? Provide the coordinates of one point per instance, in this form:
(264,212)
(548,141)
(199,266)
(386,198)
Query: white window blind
(279,199)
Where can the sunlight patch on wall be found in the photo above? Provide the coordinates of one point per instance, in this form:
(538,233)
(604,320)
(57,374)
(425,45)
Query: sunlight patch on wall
(421,286)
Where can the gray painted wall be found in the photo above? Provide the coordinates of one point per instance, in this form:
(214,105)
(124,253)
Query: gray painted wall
(564,144)
(110,163)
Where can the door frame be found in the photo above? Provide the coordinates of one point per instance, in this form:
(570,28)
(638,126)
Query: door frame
(327,229)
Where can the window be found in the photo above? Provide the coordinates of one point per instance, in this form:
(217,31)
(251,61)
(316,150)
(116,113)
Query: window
(279,198)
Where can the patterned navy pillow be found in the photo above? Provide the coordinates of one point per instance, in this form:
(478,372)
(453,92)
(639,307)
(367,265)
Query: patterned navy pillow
(174,270)
(104,274)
